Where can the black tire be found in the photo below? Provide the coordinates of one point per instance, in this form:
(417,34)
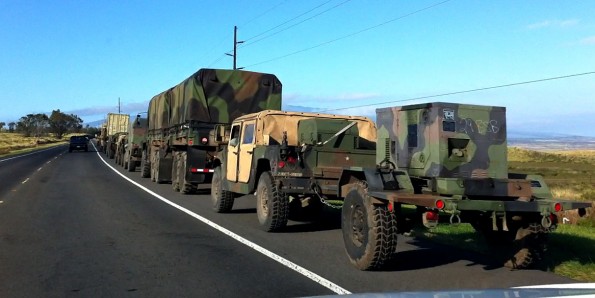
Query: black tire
(145,166)
(529,246)
(369,231)
(185,186)
(272,205)
(175,171)
(131,164)
(222,200)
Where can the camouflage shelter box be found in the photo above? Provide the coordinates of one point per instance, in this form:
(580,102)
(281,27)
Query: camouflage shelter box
(215,96)
(445,140)
(271,125)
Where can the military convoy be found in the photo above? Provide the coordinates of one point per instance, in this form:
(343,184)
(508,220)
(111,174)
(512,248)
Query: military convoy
(116,126)
(226,127)
(129,144)
(441,158)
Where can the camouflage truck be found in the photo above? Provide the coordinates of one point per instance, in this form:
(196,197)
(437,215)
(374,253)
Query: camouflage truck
(448,159)
(183,121)
(132,151)
(279,155)
(116,125)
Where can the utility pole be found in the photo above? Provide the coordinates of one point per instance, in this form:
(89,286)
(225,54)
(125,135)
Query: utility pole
(118,105)
(235,46)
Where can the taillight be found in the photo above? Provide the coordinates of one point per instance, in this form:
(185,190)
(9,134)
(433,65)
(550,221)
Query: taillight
(281,164)
(558,207)
(440,204)
(432,215)
(204,141)
(291,159)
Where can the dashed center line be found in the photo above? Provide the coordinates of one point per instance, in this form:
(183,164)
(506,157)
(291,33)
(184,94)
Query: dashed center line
(39,169)
(25,181)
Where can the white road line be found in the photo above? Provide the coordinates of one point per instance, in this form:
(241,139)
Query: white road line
(293,266)
(25,181)
(39,169)
(26,154)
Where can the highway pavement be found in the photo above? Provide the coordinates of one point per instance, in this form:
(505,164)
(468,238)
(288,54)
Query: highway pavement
(76,224)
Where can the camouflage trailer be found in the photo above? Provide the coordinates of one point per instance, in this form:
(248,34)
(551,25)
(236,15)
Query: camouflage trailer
(136,137)
(450,159)
(281,154)
(183,122)
(116,125)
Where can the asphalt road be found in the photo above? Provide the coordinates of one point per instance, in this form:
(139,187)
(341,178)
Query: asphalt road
(71,225)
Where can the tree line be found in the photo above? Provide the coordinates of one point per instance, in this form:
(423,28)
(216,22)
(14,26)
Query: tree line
(38,125)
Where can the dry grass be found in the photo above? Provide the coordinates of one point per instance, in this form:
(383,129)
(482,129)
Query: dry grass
(11,143)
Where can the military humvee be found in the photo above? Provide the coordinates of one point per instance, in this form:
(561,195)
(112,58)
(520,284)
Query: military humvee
(277,154)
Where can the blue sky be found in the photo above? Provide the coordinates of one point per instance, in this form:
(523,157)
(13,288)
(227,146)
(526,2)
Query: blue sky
(81,56)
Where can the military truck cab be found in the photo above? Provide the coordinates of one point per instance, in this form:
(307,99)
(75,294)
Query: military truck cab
(278,154)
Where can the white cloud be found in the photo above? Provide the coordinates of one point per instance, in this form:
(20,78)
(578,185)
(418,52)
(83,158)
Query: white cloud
(588,40)
(553,24)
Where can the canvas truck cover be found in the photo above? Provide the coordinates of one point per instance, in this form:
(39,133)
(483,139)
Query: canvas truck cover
(445,139)
(271,124)
(215,96)
(117,123)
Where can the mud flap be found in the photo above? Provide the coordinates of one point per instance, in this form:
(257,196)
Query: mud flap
(197,159)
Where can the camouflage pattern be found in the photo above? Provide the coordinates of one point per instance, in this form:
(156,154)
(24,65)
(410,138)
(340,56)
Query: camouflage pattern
(183,120)
(285,138)
(215,96)
(448,144)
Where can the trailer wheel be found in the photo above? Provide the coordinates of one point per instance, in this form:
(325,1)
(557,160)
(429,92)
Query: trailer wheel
(369,231)
(222,200)
(145,166)
(272,205)
(529,246)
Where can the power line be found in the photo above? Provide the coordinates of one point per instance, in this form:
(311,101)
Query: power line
(275,27)
(228,35)
(289,27)
(349,35)
(264,13)
(465,91)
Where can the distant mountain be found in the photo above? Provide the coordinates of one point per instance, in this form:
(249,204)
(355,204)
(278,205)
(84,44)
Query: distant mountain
(554,143)
(95,123)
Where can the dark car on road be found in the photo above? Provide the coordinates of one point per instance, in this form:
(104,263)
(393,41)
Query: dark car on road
(78,143)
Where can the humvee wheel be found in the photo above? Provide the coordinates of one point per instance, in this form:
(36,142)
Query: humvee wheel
(222,200)
(529,246)
(369,231)
(145,167)
(272,205)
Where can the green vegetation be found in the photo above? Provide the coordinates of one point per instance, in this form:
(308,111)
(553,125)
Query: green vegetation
(570,175)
